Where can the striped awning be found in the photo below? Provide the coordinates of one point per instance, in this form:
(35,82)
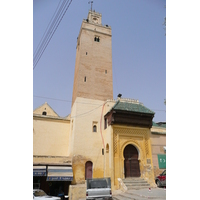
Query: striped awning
(39,171)
(59,173)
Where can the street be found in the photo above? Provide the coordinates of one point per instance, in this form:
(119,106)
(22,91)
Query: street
(141,194)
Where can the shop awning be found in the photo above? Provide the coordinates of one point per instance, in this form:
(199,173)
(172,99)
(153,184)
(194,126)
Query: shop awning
(59,173)
(39,171)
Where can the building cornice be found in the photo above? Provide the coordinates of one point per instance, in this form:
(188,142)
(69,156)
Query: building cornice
(51,160)
(47,117)
(95,31)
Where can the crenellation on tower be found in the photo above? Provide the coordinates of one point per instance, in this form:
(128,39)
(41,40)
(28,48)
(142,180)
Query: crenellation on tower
(94,17)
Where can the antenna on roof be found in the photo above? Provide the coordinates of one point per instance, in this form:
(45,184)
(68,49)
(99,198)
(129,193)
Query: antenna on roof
(91,4)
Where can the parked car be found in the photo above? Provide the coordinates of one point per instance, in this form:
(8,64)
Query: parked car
(161,179)
(41,195)
(98,188)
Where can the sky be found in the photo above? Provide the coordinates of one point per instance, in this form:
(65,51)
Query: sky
(138,52)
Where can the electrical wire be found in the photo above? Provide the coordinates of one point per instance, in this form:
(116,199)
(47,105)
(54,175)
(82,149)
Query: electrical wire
(49,34)
(51,98)
(82,102)
(38,49)
(62,100)
(87,112)
(52,25)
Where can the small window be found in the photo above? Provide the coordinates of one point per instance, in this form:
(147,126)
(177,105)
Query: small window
(105,123)
(102,151)
(107,148)
(85,79)
(86,53)
(94,128)
(106,71)
(96,39)
(44,113)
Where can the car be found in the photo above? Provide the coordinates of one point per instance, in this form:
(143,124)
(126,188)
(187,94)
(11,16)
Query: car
(161,179)
(41,195)
(98,188)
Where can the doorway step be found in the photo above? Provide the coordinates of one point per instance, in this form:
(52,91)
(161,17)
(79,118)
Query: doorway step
(136,183)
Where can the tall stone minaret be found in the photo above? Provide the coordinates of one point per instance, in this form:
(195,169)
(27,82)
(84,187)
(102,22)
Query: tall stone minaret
(93,68)
(93,85)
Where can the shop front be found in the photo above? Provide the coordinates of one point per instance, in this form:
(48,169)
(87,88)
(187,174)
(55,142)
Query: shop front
(54,180)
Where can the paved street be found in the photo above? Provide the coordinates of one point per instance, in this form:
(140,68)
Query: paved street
(141,194)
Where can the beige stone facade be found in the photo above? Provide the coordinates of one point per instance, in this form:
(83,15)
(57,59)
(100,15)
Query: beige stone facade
(50,136)
(93,67)
(73,141)
(158,143)
(87,145)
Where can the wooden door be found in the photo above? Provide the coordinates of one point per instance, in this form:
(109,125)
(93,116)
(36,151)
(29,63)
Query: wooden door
(88,170)
(131,163)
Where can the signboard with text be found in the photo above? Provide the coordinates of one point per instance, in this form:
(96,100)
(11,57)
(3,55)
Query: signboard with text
(162,161)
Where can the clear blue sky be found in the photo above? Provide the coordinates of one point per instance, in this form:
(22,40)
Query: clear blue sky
(138,52)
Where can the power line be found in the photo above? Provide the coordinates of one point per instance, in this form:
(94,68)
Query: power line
(49,34)
(63,100)
(87,111)
(38,49)
(51,98)
(55,99)
(47,37)
(99,105)
(51,31)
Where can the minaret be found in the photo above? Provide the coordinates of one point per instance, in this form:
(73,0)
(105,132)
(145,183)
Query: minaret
(93,85)
(93,68)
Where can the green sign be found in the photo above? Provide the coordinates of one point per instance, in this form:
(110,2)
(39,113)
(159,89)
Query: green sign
(162,161)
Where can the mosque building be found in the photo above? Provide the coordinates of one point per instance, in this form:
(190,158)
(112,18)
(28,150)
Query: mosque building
(102,136)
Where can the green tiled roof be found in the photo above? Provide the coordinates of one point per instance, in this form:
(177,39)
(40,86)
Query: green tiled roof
(163,125)
(159,124)
(154,124)
(132,107)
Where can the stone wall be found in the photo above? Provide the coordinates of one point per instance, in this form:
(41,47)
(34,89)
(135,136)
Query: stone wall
(77,191)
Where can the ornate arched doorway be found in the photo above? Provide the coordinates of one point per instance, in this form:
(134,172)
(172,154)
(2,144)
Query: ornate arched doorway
(131,162)
(88,170)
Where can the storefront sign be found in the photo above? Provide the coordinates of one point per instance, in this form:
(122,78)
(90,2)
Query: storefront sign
(162,161)
(57,178)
